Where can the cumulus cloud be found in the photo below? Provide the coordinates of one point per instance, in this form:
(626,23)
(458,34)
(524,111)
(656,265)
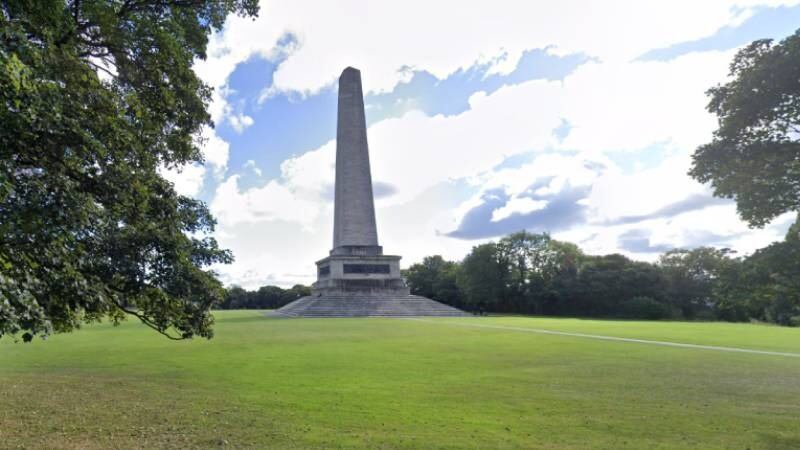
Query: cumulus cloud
(250,164)
(630,105)
(440,184)
(517,206)
(240,122)
(638,241)
(215,150)
(187,180)
(690,203)
(376,38)
(271,202)
(569,181)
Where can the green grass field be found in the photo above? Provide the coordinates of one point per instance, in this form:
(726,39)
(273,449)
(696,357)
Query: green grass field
(389,383)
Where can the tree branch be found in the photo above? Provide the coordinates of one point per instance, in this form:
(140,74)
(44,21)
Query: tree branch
(97,66)
(147,322)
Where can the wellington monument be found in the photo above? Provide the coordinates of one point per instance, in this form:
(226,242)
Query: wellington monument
(356,278)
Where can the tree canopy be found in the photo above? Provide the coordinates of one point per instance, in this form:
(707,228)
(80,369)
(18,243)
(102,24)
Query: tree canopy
(754,156)
(528,273)
(88,226)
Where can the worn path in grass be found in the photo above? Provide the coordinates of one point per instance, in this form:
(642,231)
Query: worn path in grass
(610,338)
(391,383)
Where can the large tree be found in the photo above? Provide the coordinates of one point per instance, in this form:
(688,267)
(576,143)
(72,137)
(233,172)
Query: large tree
(766,285)
(754,156)
(435,278)
(88,227)
(690,276)
(534,262)
(483,278)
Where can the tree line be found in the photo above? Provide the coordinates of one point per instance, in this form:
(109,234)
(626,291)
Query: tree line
(265,297)
(528,273)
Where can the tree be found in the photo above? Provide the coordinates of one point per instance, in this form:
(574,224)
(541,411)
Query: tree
(483,278)
(605,282)
(435,278)
(292,294)
(530,266)
(690,277)
(540,268)
(754,156)
(770,279)
(563,281)
(422,276)
(88,227)
(235,298)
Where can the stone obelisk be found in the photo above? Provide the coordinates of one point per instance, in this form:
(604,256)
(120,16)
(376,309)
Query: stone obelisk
(356,279)
(354,210)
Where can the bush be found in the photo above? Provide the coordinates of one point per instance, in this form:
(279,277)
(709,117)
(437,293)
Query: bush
(705,315)
(645,308)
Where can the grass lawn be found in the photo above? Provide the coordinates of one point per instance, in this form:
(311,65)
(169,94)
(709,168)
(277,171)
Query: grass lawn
(266,382)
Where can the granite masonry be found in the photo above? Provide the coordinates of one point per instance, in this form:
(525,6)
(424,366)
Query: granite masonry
(357,279)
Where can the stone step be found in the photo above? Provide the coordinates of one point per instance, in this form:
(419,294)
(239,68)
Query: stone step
(368,306)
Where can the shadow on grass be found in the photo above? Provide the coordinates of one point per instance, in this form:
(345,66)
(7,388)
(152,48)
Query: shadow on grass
(257,317)
(779,441)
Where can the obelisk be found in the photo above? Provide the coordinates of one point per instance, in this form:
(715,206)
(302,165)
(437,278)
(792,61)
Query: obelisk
(356,279)
(354,210)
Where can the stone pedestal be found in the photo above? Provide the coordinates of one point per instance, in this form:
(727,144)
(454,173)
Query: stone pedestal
(359,275)
(357,279)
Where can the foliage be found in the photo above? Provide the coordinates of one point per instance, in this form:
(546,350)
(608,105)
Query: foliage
(690,276)
(266,297)
(771,280)
(483,278)
(435,278)
(754,156)
(88,227)
(604,282)
(533,274)
(644,308)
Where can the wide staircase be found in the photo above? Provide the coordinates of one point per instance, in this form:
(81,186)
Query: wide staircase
(368,306)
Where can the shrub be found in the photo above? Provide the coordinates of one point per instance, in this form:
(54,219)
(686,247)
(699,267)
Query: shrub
(645,308)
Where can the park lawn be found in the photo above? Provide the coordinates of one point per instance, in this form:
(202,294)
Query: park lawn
(767,337)
(389,383)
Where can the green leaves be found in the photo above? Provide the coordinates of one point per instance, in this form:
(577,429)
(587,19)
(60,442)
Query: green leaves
(754,157)
(88,228)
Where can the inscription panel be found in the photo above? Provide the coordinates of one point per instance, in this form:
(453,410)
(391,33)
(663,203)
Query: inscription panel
(366,268)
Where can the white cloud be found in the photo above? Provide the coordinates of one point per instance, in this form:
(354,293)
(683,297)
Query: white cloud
(250,164)
(215,150)
(613,104)
(271,202)
(617,194)
(188,180)
(240,122)
(376,37)
(517,205)
(416,153)
(628,106)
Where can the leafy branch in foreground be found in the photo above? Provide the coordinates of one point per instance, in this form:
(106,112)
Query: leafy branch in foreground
(88,227)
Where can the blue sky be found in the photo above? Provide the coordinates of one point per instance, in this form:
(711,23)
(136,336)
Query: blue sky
(571,119)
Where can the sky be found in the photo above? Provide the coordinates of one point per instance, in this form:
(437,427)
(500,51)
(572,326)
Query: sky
(576,118)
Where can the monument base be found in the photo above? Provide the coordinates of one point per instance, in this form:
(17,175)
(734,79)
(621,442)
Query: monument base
(368,306)
(362,282)
(348,274)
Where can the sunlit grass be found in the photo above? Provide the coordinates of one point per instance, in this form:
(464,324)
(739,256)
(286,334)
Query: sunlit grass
(397,383)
